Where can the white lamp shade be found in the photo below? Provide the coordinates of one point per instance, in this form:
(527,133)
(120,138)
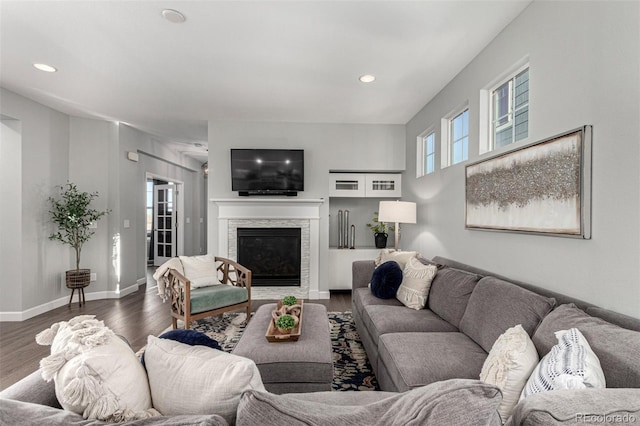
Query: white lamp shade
(397,212)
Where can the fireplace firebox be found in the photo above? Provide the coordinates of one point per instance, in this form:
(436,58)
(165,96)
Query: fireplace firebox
(272,254)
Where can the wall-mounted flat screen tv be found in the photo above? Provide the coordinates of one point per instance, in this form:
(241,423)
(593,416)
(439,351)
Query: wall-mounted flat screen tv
(267,171)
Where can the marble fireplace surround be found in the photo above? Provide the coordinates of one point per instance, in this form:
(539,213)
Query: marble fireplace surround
(275,213)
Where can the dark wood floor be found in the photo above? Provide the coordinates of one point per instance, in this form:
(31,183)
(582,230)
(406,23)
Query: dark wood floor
(134,316)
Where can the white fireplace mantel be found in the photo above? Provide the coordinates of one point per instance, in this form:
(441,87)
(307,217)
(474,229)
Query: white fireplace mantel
(261,208)
(275,212)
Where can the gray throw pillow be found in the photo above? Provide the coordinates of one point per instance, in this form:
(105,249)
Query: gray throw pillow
(450,292)
(496,305)
(617,348)
(457,401)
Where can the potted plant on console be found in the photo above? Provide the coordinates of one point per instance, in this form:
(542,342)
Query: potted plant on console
(380,231)
(72,215)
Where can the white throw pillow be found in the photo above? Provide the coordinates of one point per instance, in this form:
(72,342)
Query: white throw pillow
(571,364)
(416,281)
(402,257)
(200,270)
(96,373)
(197,379)
(511,360)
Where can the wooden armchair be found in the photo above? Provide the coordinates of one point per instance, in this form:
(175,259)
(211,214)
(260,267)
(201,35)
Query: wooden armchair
(233,293)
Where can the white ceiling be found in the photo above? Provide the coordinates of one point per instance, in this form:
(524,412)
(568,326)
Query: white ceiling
(292,61)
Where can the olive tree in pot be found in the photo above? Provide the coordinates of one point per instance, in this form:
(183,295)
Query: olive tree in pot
(72,215)
(380,231)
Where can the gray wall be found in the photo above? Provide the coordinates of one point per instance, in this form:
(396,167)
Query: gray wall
(46,148)
(11,219)
(36,262)
(357,147)
(584,69)
(156,158)
(90,143)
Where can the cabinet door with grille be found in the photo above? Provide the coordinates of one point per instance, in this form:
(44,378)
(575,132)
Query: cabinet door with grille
(383,185)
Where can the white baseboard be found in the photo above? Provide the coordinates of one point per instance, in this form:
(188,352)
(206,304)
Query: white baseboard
(318,295)
(324,295)
(125,291)
(46,307)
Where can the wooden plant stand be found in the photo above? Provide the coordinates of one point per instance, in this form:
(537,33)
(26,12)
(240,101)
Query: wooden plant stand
(78,279)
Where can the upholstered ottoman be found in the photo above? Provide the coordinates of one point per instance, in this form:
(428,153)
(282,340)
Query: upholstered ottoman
(285,367)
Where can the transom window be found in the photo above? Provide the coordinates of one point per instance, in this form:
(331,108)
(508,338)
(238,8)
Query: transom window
(510,110)
(426,153)
(459,137)
(429,153)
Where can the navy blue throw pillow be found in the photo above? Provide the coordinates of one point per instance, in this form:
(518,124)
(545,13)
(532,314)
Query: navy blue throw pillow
(188,337)
(386,280)
(191,337)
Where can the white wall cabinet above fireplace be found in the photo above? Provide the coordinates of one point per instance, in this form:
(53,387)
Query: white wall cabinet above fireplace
(369,185)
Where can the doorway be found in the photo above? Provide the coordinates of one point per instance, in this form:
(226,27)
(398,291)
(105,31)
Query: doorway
(163,217)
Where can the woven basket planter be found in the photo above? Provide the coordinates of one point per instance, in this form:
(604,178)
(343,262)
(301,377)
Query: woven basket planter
(78,278)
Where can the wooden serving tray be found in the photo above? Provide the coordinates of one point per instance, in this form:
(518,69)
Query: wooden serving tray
(274,335)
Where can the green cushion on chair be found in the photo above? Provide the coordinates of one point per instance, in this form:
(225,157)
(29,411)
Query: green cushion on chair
(216,296)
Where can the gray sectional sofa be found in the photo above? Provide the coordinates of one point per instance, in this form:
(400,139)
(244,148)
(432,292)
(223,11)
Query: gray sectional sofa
(467,310)
(427,362)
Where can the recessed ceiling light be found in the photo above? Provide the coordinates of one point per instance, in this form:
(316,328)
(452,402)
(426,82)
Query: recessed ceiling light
(45,67)
(173,16)
(367,78)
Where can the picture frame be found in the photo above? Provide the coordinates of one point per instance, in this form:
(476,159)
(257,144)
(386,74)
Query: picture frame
(543,188)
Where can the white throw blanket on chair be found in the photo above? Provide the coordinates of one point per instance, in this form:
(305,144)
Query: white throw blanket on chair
(162,276)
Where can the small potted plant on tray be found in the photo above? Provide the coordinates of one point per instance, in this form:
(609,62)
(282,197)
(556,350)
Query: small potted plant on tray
(286,323)
(289,300)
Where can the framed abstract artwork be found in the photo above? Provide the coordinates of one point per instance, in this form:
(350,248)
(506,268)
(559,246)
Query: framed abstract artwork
(542,188)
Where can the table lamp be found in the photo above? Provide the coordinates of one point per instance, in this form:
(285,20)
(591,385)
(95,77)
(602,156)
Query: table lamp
(397,212)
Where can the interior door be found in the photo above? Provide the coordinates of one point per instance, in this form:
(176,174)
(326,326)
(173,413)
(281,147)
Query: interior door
(165,224)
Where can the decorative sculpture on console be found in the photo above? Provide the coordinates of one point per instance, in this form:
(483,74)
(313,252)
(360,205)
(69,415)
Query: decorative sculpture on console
(352,238)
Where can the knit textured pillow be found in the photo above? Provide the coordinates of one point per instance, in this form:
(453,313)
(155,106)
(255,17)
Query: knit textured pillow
(571,364)
(508,366)
(416,282)
(96,373)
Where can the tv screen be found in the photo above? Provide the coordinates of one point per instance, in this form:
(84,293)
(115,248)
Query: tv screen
(267,171)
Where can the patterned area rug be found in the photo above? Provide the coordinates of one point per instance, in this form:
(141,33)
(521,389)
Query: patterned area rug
(351,368)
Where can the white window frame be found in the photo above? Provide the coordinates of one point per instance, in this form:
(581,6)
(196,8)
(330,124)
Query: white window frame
(422,154)
(149,207)
(446,143)
(486,142)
